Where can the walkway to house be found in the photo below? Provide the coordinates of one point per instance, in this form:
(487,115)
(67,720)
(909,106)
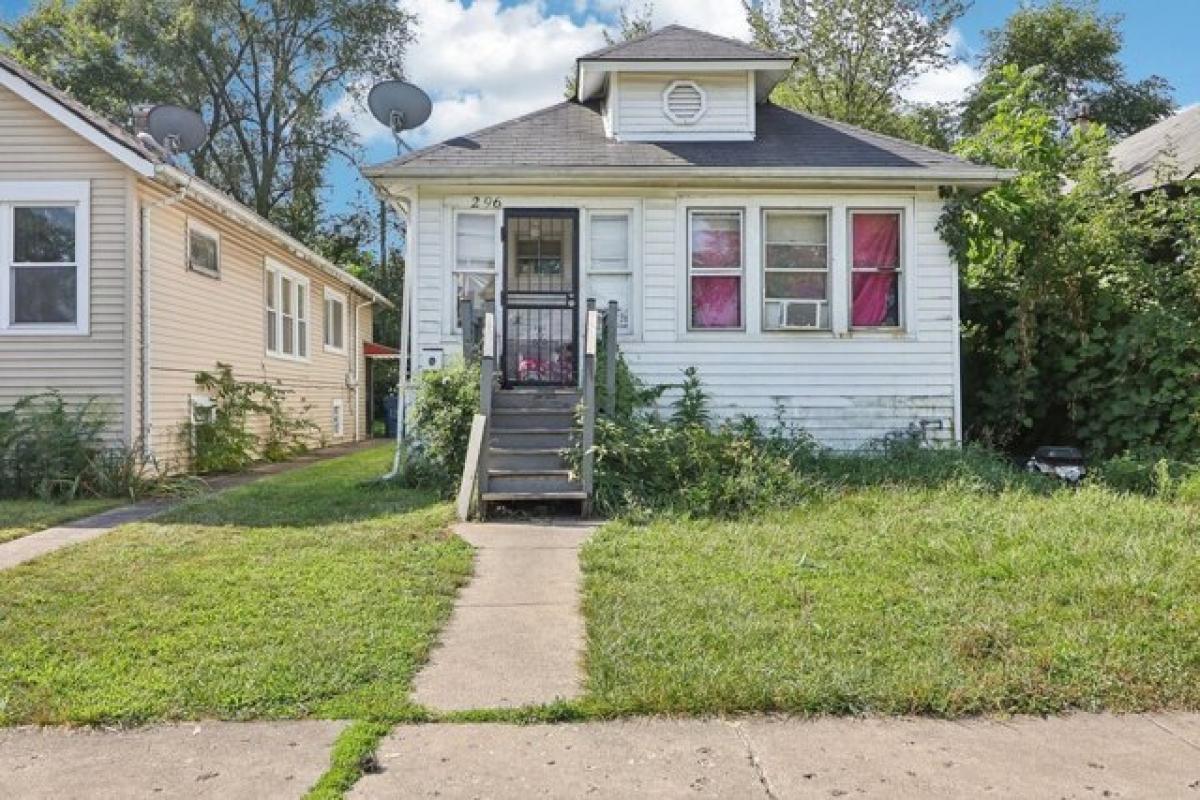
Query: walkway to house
(33,545)
(516,636)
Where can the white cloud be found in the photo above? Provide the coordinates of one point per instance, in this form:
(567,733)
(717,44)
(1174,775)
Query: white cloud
(949,84)
(486,63)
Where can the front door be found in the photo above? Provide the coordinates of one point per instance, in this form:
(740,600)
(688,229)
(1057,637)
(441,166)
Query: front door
(540,297)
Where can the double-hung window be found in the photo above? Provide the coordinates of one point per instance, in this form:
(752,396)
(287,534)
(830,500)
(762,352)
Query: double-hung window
(286,296)
(875,269)
(795,270)
(334,321)
(610,265)
(43,257)
(474,264)
(716,266)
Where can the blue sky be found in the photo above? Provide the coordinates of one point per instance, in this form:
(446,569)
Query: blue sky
(484,61)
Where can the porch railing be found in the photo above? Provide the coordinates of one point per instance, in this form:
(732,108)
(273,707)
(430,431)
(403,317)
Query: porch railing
(474,481)
(588,436)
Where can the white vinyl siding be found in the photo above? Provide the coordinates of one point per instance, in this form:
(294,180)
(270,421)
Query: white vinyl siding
(845,386)
(723,102)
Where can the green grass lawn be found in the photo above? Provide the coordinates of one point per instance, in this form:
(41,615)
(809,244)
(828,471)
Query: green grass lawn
(943,602)
(19,517)
(307,594)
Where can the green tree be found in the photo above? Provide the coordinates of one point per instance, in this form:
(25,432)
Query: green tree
(1079,303)
(266,75)
(1078,49)
(854,57)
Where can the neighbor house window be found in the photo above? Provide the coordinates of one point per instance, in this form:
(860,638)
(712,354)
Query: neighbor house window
(43,257)
(795,270)
(335,321)
(286,313)
(474,264)
(610,267)
(876,272)
(204,249)
(715,269)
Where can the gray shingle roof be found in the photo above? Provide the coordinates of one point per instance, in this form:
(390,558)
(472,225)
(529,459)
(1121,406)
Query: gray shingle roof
(1173,144)
(571,135)
(677,43)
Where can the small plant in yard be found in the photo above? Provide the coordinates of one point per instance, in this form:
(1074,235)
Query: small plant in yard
(224,442)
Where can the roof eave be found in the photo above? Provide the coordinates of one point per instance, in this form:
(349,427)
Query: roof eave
(981,177)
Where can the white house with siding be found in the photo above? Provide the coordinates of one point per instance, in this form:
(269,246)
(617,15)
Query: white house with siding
(794,261)
(122,276)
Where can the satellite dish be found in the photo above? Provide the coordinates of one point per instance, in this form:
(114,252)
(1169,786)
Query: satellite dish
(399,105)
(176,130)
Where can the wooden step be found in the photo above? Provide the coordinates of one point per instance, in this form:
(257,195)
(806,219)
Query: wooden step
(552,401)
(542,482)
(512,497)
(545,418)
(530,438)
(526,458)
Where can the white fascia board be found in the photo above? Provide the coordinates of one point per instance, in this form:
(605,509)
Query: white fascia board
(666,65)
(69,119)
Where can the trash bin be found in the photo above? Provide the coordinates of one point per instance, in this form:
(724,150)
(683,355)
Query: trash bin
(390,407)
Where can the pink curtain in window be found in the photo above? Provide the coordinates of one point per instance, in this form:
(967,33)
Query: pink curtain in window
(716,302)
(716,247)
(876,241)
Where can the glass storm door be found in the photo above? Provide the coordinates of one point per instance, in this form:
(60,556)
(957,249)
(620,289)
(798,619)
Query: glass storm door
(540,298)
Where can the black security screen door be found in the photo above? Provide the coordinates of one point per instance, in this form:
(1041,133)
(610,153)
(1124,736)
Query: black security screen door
(541,278)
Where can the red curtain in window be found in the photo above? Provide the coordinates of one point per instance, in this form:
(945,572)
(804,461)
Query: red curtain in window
(876,240)
(716,301)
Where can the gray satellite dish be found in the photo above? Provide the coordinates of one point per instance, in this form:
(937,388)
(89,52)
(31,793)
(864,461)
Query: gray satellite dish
(177,130)
(399,105)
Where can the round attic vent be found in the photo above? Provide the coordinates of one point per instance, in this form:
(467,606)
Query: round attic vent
(684,102)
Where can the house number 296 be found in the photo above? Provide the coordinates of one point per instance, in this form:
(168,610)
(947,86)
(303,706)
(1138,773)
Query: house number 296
(485,202)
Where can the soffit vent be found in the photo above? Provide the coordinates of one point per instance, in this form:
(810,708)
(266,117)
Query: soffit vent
(684,102)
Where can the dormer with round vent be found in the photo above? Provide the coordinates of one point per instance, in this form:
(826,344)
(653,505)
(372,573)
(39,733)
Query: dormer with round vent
(684,102)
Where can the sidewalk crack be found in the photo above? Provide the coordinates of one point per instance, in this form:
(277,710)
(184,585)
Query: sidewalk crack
(1170,732)
(759,770)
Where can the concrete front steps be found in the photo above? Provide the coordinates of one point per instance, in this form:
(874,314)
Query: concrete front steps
(530,429)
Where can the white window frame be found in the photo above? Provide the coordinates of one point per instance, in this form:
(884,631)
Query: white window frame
(902,300)
(332,296)
(496,271)
(76,194)
(301,284)
(337,423)
(691,272)
(194,225)
(825,212)
(628,272)
(197,402)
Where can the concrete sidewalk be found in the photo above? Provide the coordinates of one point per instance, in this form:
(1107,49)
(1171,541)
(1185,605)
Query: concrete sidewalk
(200,759)
(516,636)
(1079,756)
(33,545)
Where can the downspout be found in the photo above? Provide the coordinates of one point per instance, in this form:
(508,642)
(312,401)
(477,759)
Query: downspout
(406,303)
(144,309)
(355,355)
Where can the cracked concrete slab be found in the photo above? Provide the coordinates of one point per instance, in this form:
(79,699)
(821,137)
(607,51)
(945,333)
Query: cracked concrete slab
(626,759)
(516,636)
(191,760)
(1082,755)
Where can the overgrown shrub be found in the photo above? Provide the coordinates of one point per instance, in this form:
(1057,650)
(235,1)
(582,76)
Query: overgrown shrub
(53,451)
(446,402)
(225,442)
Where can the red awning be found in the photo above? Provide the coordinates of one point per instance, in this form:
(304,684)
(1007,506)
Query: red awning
(373,350)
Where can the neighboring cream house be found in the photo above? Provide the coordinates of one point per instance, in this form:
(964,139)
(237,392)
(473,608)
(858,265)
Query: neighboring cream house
(794,260)
(121,277)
